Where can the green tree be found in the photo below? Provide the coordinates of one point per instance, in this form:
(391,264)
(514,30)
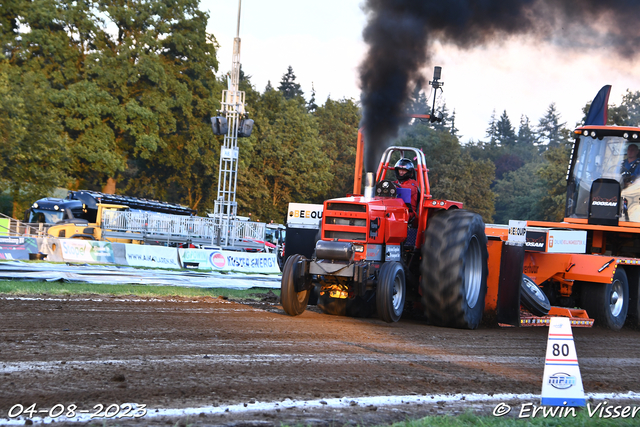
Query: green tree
(311,104)
(139,113)
(445,123)
(288,86)
(631,107)
(505,134)
(338,128)
(492,130)
(179,94)
(453,174)
(32,157)
(283,161)
(553,175)
(551,131)
(526,137)
(159,59)
(453,130)
(41,42)
(418,102)
(518,195)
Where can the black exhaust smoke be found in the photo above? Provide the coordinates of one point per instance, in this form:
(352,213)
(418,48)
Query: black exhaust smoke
(400,32)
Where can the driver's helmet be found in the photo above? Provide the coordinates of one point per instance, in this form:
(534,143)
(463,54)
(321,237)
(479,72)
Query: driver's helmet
(408,166)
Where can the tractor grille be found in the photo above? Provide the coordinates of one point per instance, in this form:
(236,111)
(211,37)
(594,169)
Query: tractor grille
(345,221)
(346,207)
(345,235)
(353,222)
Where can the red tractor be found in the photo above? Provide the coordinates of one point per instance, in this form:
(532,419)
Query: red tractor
(371,256)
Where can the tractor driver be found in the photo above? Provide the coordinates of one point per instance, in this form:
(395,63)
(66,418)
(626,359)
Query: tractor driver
(406,178)
(630,169)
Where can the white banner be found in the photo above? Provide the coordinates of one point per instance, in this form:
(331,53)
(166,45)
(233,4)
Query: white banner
(152,256)
(245,262)
(567,242)
(86,251)
(304,213)
(517,231)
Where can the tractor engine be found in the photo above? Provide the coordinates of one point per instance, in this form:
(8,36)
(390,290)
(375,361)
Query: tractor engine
(357,235)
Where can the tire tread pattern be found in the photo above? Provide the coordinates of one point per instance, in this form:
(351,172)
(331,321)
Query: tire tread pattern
(594,297)
(447,239)
(292,303)
(384,291)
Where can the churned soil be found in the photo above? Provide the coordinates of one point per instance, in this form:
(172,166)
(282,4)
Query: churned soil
(205,352)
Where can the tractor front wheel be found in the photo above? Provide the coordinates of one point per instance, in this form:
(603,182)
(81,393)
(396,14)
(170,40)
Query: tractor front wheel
(391,291)
(454,269)
(293,303)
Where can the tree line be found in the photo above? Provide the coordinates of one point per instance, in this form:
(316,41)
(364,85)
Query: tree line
(117,97)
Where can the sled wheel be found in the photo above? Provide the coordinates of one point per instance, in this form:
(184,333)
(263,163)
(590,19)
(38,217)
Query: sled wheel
(293,303)
(532,297)
(390,292)
(607,303)
(454,269)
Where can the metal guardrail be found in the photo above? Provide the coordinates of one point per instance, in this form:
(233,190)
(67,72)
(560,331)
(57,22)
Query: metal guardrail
(13,228)
(150,226)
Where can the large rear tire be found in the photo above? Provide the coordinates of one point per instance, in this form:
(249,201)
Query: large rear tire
(454,269)
(293,303)
(607,303)
(391,291)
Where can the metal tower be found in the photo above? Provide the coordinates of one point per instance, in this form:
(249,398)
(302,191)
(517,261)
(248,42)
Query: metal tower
(226,207)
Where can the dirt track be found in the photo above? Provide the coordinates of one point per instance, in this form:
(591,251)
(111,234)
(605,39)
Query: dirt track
(203,352)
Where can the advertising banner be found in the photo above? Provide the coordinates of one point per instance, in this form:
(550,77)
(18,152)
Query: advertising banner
(567,242)
(17,247)
(151,256)
(517,231)
(304,214)
(87,251)
(536,241)
(244,262)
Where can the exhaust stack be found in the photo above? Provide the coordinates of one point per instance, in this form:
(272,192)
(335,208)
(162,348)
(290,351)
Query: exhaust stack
(369,186)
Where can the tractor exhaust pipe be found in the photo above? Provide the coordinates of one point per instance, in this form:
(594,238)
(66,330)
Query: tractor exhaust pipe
(369,186)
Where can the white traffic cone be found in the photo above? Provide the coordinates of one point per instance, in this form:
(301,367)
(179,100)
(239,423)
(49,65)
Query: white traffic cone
(561,382)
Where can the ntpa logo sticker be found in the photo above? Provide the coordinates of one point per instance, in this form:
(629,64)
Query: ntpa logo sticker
(218,260)
(562,381)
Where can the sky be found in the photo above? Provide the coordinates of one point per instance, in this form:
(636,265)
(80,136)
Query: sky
(323,43)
